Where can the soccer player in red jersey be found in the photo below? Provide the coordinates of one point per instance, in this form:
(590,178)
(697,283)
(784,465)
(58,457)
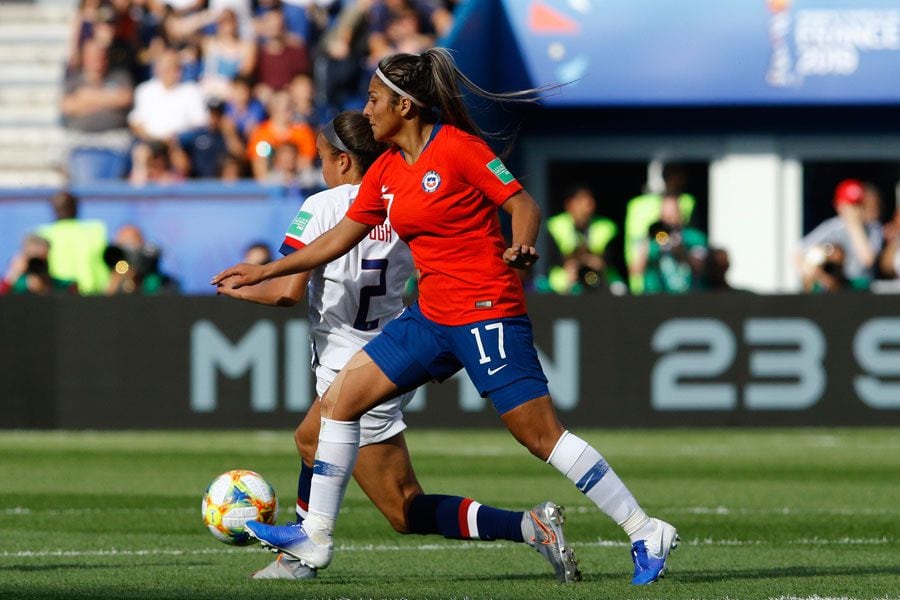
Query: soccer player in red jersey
(345,312)
(440,185)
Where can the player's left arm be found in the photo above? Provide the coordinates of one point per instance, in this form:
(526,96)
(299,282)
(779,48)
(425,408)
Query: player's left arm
(281,291)
(526,220)
(330,245)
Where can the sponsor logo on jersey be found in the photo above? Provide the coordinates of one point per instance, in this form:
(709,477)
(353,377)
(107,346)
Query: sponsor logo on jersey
(431,181)
(500,171)
(299,223)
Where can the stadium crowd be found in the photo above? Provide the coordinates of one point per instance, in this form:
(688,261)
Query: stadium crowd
(166,90)
(160,91)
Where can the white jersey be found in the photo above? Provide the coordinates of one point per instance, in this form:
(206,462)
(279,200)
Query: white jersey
(353,297)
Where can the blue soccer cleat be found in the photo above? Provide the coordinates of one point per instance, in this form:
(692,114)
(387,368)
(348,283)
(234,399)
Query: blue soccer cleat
(650,554)
(293,541)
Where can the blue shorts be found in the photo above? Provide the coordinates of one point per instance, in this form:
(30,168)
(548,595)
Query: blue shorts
(497,354)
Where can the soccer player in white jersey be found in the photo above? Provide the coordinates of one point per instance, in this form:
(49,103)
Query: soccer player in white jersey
(350,301)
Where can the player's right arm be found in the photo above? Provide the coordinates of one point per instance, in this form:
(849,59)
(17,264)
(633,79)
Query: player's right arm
(330,245)
(281,291)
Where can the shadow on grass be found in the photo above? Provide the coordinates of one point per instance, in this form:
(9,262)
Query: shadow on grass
(779,572)
(83,567)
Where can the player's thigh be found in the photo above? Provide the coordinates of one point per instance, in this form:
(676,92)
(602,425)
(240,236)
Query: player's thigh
(385,473)
(501,361)
(359,386)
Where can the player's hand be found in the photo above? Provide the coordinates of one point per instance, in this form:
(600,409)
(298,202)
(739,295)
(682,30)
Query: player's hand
(224,288)
(240,275)
(520,257)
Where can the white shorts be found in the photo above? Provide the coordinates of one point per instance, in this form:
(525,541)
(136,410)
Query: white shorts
(377,425)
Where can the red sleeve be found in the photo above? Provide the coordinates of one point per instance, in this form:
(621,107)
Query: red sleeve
(484,171)
(369,207)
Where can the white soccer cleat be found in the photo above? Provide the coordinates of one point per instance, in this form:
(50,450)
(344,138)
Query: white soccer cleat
(285,567)
(547,520)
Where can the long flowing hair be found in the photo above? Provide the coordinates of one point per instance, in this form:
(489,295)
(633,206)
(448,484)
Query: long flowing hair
(433,79)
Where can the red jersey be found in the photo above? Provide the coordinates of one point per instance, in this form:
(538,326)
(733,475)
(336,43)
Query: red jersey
(445,208)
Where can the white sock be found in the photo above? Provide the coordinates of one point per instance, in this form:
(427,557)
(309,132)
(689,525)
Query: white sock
(335,459)
(592,475)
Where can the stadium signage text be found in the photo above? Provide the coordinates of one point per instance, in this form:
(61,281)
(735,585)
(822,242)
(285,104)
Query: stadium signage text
(785,364)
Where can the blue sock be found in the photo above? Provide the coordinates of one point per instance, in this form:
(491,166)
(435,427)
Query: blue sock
(303,484)
(460,518)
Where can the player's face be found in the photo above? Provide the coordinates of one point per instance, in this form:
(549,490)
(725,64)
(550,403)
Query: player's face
(384,117)
(330,171)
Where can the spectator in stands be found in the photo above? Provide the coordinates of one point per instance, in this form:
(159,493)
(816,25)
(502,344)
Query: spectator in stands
(109,24)
(672,259)
(279,58)
(76,246)
(116,31)
(243,13)
(134,264)
(581,238)
(165,108)
(284,167)
(340,82)
(642,211)
(889,261)
(202,153)
(232,168)
(158,163)
(95,108)
(82,30)
(303,94)
(29,273)
(277,130)
(258,253)
(399,26)
(851,239)
(243,109)
(225,56)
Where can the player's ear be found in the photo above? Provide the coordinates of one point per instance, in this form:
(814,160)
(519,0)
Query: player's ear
(405,106)
(345,163)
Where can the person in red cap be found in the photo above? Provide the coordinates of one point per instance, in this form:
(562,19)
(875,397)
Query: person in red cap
(840,253)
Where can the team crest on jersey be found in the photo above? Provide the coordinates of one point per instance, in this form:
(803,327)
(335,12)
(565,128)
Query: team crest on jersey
(431,181)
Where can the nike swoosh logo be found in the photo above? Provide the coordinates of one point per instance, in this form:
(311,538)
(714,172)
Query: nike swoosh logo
(492,371)
(384,188)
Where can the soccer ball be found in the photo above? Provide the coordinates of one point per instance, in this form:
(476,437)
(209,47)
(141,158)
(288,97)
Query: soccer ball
(232,499)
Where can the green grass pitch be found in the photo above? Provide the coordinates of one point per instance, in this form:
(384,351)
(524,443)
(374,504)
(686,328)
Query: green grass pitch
(809,513)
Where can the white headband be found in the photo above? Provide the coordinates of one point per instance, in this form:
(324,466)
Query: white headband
(397,89)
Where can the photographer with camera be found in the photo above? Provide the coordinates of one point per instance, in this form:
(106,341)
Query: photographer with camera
(134,265)
(29,271)
(672,259)
(581,239)
(841,252)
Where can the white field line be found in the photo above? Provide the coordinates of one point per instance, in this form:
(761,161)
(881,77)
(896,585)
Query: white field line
(773,511)
(437,547)
(827,598)
(672,510)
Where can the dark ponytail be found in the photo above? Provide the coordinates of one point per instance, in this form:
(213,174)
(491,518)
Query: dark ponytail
(433,79)
(355,133)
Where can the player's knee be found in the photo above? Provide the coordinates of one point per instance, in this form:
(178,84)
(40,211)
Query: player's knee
(399,523)
(539,442)
(306,443)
